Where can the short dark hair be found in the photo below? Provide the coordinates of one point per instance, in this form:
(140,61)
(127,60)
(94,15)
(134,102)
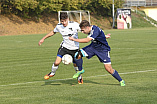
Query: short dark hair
(84,23)
(63,15)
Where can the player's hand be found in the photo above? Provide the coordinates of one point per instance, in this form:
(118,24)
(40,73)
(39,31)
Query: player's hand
(108,36)
(40,42)
(71,38)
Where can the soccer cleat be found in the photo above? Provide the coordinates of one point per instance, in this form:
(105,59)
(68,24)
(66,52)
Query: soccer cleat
(48,76)
(122,83)
(80,79)
(78,73)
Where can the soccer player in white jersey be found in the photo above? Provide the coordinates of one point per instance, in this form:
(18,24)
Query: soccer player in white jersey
(66,28)
(99,47)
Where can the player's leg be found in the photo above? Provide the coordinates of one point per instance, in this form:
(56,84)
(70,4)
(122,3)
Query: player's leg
(55,65)
(80,78)
(84,52)
(61,52)
(75,67)
(114,73)
(78,60)
(72,53)
(105,58)
(54,68)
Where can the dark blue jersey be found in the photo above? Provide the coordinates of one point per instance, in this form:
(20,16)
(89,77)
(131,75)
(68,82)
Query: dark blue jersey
(98,39)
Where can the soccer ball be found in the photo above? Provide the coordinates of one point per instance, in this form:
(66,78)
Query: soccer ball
(67,59)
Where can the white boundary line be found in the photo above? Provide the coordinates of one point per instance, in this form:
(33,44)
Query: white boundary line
(135,48)
(72,78)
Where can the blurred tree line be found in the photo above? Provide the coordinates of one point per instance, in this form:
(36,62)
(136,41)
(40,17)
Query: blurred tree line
(30,8)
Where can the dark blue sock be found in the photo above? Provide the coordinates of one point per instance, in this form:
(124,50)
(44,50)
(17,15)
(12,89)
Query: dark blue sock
(116,75)
(79,63)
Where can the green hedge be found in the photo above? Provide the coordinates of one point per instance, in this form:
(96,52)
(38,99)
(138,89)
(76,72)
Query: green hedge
(29,8)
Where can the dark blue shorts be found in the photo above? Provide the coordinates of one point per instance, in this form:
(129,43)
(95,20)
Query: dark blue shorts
(103,55)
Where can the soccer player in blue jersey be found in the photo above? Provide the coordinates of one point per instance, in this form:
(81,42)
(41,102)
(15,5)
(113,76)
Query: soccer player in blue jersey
(99,47)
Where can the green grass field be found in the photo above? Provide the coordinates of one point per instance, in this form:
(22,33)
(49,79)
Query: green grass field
(23,65)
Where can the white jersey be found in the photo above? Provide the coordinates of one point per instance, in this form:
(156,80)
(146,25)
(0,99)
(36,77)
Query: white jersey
(70,30)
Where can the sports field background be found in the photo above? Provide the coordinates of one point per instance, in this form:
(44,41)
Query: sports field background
(23,65)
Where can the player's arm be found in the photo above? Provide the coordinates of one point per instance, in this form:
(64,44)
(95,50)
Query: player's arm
(46,36)
(83,40)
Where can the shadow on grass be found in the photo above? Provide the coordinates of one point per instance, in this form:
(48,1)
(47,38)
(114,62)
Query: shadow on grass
(69,82)
(73,82)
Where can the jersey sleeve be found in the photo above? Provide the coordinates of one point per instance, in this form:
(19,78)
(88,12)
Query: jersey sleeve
(55,29)
(94,32)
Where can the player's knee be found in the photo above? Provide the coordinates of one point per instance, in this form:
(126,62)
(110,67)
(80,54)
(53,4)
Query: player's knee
(109,68)
(79,54)
(79,57)
(56,63)
(74,64)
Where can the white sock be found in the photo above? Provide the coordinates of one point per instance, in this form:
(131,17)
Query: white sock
(80,77)
(54,68)
(76,69)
